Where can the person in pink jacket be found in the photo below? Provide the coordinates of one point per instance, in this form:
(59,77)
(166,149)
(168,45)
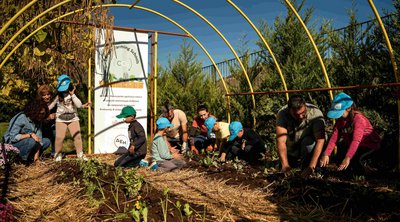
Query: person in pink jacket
(354,131)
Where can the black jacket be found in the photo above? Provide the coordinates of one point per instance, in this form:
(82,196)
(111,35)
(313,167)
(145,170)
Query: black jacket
(137,137)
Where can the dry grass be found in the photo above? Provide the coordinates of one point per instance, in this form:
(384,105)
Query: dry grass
(229,203)
(37,197)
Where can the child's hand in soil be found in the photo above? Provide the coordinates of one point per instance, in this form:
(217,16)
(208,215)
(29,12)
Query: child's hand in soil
(345,163)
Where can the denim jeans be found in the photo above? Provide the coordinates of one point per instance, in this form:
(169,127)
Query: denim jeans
(29,145)
(201,142)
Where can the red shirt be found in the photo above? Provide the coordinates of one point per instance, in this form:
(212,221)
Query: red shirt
(199,122)
(357,133)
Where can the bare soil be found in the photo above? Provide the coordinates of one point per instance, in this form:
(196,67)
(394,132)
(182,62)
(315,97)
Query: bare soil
(48,191)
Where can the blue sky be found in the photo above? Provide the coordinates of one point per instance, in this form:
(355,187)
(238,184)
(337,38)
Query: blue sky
(231,24)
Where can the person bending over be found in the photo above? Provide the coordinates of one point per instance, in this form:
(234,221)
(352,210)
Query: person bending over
(300,135)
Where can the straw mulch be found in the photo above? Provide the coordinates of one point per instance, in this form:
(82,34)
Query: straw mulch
(37,197)
(227,202)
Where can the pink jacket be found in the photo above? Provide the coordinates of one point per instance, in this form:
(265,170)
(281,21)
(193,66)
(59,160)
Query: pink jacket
(357,133)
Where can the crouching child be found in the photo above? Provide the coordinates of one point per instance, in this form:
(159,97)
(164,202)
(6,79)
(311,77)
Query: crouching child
(167,159)
(137,148)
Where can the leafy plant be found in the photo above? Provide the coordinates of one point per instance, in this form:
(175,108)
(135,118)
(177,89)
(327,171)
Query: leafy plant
(238,164)
(139,211)
(12,154)
(164,204)
(209,159)
(133,182)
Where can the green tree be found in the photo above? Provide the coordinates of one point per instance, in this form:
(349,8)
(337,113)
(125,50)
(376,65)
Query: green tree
(359,56)
(184,85)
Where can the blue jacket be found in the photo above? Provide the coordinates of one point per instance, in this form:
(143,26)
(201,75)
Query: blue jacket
(21,124)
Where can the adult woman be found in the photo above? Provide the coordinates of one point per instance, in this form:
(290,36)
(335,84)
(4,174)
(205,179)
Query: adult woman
(67,116)
(202,141)
(49,125)
(25,133)
(359,137)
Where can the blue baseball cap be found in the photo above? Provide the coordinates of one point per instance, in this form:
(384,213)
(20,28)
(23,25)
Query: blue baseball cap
(163,123)
(127,111)
(234,129)
(340,103)
(63,83)
(209,123)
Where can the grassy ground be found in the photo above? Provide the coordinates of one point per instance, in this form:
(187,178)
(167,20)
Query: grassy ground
(3,129)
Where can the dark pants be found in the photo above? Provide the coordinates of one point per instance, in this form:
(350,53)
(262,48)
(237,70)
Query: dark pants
(250,153)
(129,160)
(175,142)
(305,149)
(356,166)
(202,142)
(170,165)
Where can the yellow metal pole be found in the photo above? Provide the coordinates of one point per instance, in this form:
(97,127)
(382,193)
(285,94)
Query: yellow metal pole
(389,45)
(198,43)
(33,33)
(29,23)
(394,65)
(265,43)
(313,44)
(155,72)
(123,5)
(231,48)
(22,10)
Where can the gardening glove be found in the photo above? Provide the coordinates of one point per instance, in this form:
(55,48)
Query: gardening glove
(194,150)
(184,147)
(210,148)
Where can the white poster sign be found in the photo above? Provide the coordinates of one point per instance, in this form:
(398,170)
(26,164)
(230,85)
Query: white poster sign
(120,80)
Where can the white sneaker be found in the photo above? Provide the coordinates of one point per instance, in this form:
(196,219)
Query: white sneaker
(81,156)
(58,157)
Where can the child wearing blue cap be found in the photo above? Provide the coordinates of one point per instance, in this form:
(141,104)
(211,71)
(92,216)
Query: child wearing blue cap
(359,137)
(166,160)
(220,130)
(67,116)
(137,149)
(202,141)
(243,143)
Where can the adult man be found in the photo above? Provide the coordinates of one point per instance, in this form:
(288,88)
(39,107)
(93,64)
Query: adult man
(178,134)
(300,135)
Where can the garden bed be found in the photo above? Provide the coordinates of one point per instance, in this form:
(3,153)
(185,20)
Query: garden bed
(233,191)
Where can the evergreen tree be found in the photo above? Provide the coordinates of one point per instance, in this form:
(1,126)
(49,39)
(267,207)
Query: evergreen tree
(294,53)
(186,87)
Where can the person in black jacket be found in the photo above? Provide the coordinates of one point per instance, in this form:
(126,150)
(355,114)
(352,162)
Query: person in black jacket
(137,148)
(243,143)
